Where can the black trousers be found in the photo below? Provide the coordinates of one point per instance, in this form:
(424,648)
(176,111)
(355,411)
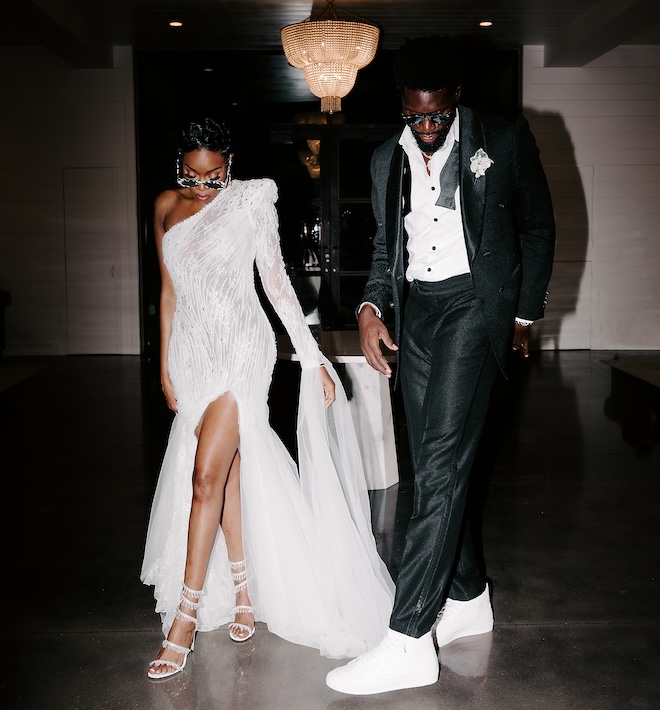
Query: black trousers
(447,371)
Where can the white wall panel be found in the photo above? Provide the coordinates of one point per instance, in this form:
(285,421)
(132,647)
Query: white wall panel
(68,237)
(596,92)
(594,75)
(601,125)
(90,228)
(596,109)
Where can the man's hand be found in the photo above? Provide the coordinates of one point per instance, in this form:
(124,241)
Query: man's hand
(521,338)
(372,331)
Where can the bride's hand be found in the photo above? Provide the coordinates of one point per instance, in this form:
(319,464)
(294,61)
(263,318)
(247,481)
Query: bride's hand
(328,387)
(168,391)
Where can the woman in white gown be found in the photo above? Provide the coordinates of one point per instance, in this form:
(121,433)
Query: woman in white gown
(237,532)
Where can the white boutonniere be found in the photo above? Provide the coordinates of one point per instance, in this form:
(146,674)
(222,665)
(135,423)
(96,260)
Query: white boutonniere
(480,162)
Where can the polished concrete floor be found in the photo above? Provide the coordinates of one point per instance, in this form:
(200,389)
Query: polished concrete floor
(570,529)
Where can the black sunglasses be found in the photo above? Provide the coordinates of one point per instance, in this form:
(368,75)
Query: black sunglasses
(414,119)
(211,184)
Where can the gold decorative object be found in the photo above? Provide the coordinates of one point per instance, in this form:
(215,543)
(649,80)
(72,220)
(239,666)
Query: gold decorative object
(330,49)
(310,154)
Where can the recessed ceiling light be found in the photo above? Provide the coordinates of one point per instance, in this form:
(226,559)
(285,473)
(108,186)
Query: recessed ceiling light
(176,23)
(485,23)
(208,69)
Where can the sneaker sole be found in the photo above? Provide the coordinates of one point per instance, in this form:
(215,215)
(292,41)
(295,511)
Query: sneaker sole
(472,631)
(358,689)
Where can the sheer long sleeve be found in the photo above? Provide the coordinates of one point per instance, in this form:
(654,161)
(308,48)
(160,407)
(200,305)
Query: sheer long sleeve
(276,282)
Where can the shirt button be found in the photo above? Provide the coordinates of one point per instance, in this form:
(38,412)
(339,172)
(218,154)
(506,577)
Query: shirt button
(429,269)
(435,219)
(433,188)
(433,248)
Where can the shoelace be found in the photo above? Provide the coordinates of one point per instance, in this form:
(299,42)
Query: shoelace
(381,651)
(450,610)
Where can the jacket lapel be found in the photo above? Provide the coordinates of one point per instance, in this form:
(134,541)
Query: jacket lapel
(473,191)
(394,201)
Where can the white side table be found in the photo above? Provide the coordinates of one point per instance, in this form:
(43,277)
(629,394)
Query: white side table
(369,401)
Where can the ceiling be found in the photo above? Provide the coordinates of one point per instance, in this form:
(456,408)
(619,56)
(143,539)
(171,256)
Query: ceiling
(82,31)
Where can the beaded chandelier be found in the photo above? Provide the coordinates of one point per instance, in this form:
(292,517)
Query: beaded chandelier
(330,50)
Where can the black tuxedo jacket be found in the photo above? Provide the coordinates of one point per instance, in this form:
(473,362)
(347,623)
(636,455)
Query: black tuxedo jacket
(508,223)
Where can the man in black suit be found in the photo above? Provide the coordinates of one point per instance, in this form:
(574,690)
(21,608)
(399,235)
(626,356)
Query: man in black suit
(463,254)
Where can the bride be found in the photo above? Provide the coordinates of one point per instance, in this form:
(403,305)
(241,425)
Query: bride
(238,533)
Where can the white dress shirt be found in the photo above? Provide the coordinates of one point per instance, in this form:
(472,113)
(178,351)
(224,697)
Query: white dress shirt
(436,242)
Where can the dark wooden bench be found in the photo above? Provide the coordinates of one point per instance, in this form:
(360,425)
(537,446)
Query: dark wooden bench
(634,400)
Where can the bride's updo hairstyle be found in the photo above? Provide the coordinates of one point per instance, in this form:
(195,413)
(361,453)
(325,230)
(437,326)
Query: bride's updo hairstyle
(208,134)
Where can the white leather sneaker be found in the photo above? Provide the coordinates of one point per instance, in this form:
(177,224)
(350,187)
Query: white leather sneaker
(459,619)
(399,661)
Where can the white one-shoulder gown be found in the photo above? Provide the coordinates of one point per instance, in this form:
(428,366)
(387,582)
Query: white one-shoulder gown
(314,575)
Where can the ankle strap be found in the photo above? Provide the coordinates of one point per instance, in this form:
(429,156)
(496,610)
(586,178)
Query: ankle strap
(187,604)
(174,647)
(182,615)
(192,592)
(236,565)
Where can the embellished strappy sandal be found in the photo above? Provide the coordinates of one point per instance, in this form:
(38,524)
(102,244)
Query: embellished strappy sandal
(237,631)
(190,601)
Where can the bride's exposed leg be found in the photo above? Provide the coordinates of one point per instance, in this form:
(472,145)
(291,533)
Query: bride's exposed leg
(217,446)
(241,630)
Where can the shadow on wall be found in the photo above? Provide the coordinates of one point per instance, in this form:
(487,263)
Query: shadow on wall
(567,322)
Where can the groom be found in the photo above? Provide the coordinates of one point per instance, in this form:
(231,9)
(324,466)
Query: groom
(463,254)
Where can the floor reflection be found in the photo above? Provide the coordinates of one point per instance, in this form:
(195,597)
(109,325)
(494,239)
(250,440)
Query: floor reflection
(468,656)
(569,496)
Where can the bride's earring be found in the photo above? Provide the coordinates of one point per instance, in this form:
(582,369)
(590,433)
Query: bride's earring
(227,179)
